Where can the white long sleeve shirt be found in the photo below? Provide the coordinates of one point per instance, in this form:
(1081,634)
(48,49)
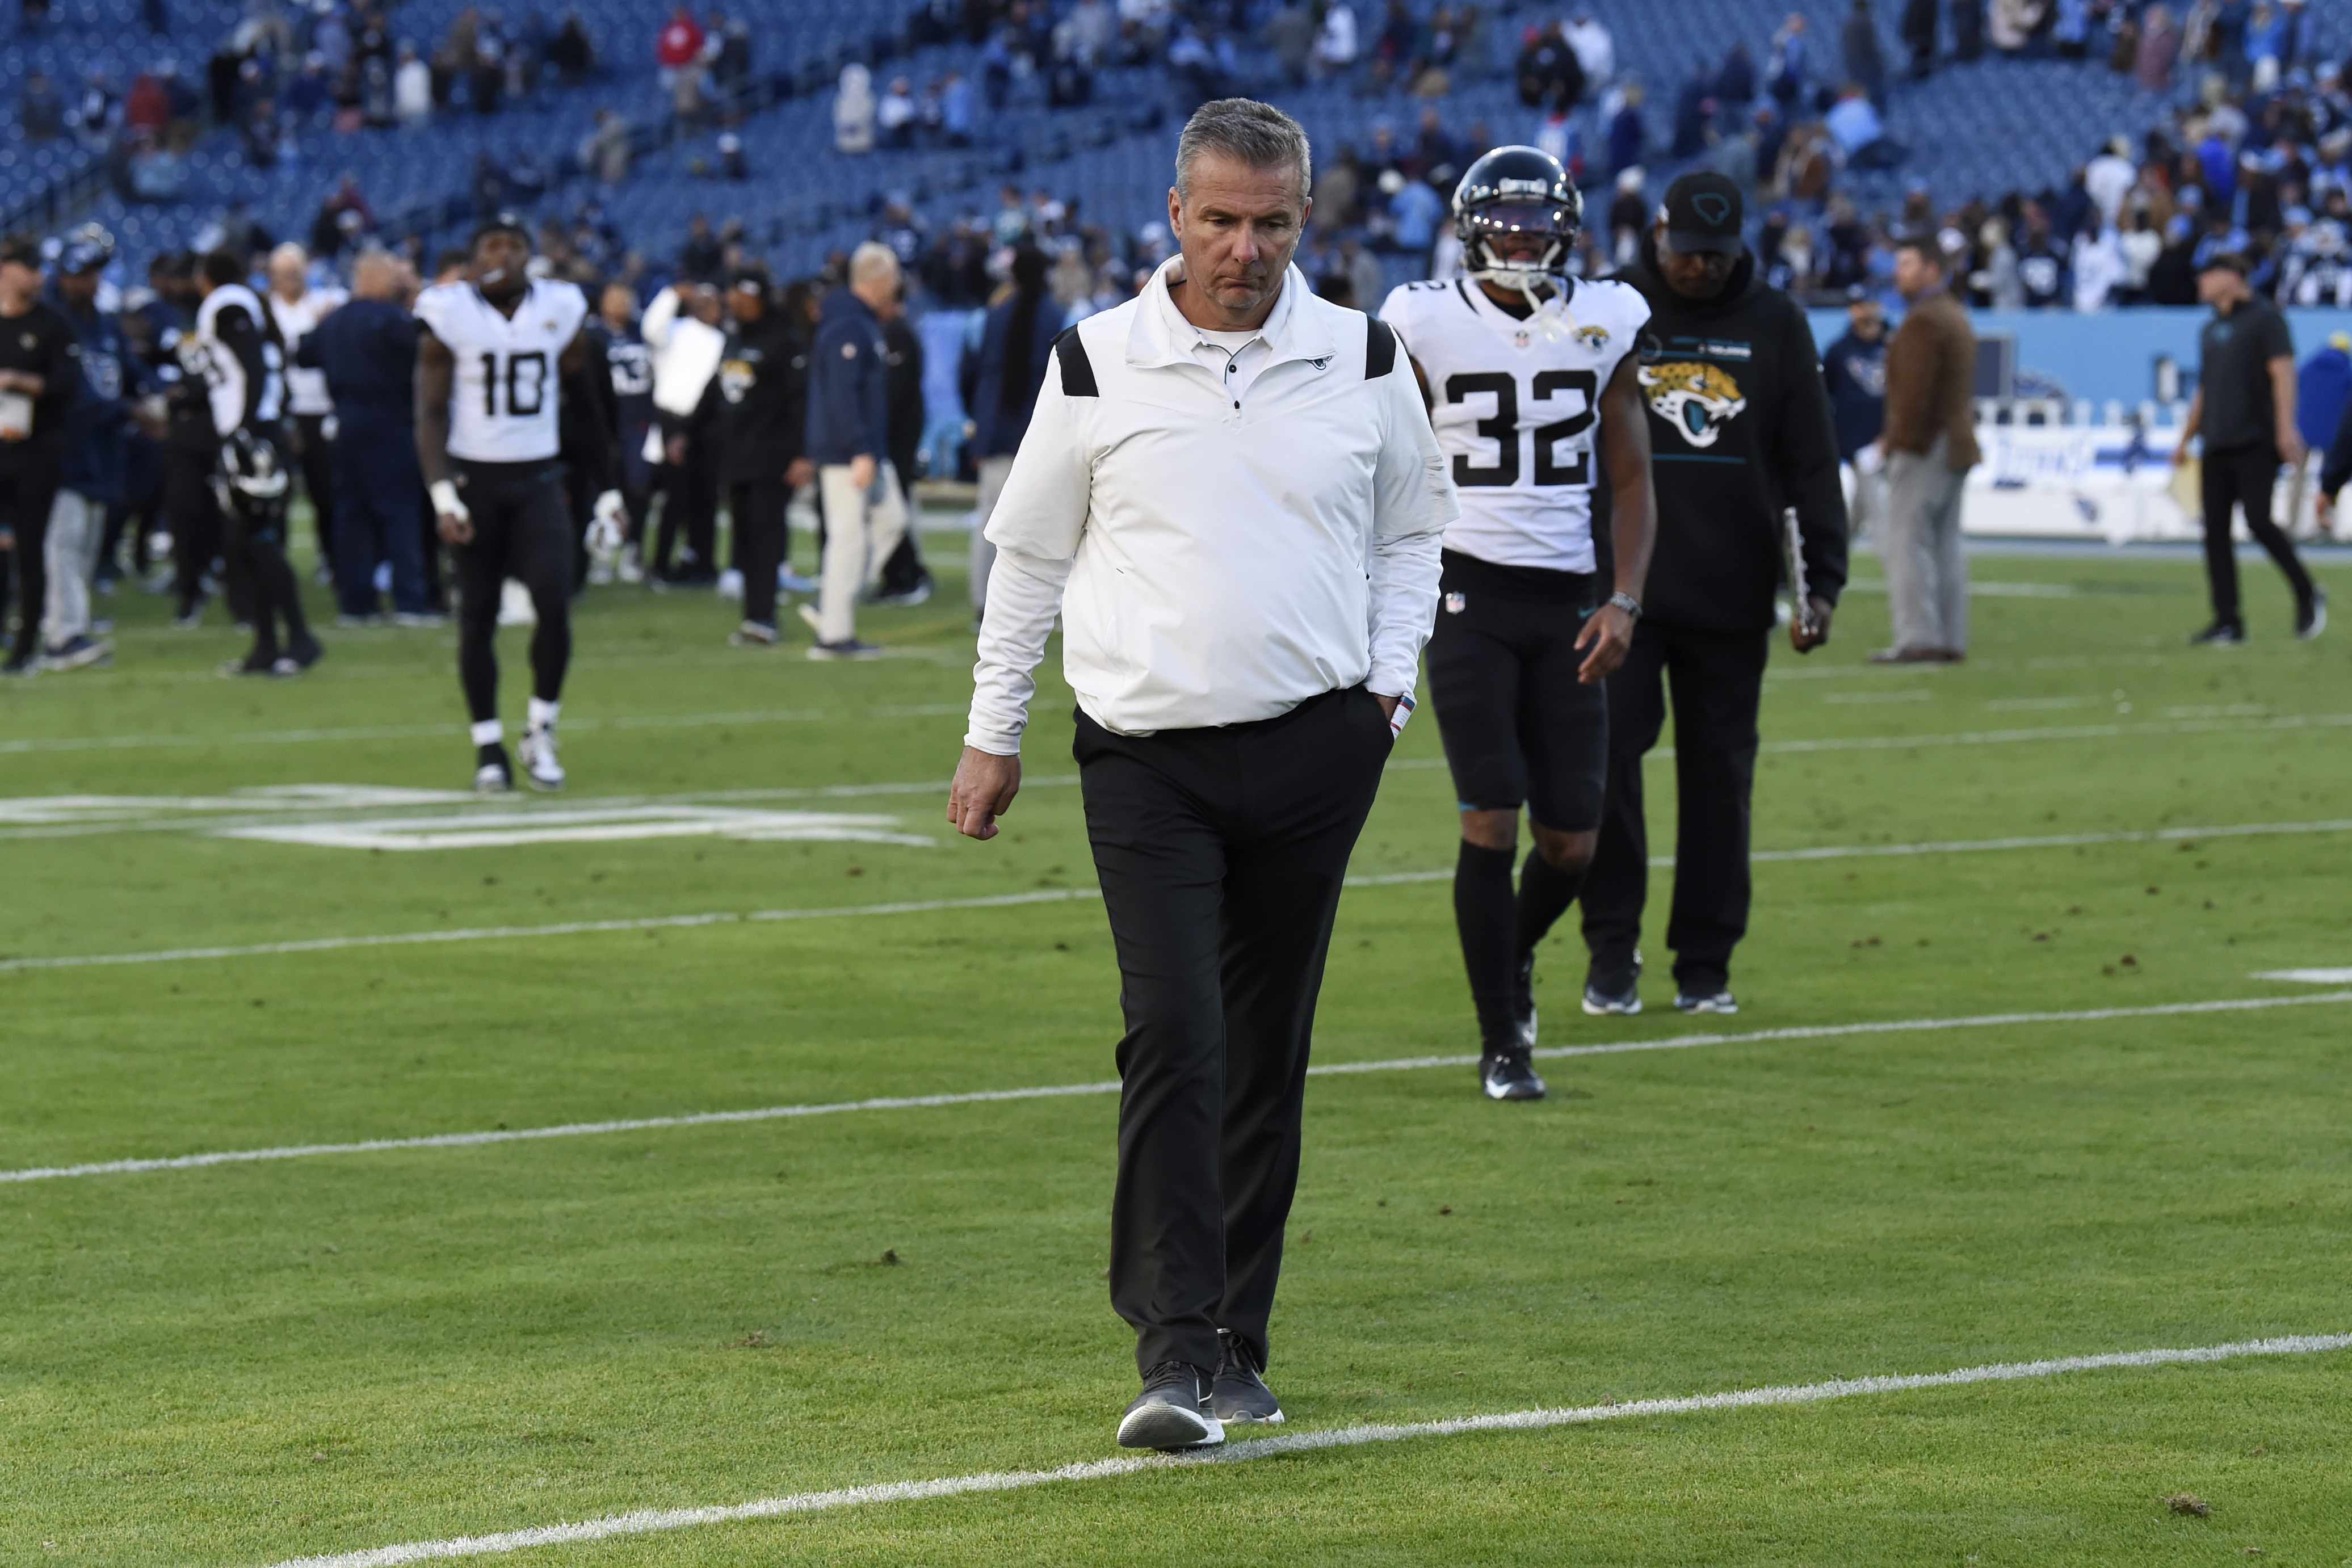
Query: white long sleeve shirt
(1218,554)
(686,353)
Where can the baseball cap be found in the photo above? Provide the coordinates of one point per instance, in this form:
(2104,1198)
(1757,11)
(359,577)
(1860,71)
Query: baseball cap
(752,279)
(1704,212)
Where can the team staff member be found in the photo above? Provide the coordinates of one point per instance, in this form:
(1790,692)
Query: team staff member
(39,377)
(763,434)
(1930,444)
(1015,344)
(2244,408)
(1531,380)
(1855,369)
(1231,492)
(1739,429)
(295,310)
(849,441)
(97,427)
(366,353)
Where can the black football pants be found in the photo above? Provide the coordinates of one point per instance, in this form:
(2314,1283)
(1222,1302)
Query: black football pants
(2243,477)
(1221,853)
(1718,682)
(521,530)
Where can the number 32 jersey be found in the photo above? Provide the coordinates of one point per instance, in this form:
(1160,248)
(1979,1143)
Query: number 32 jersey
(1515,404)
(502,408)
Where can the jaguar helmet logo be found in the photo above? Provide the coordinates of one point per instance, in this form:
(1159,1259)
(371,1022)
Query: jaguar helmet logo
(1697,398)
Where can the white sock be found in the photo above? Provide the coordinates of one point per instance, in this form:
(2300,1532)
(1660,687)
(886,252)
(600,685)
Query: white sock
(490,732)
(542,713)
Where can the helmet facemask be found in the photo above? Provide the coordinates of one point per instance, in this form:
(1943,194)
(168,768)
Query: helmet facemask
(1525,246)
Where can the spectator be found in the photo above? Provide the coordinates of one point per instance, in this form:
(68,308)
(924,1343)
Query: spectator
(1596,51)
(1289,35)
(1415,209)
(147,111)
(1694,110)
(731,162)
(605,151)
(702,258)
(1549,73)
(1967,29)
(894,116)
(2109,178)
(2097,263)
(679,49)
(1735,84)
(412,89)
(956,110)
(572,52)
(2142,244)
(854,110)
(2041,266)
(2159,45)
(1919,37)
(1860,133)
(1627,133)
(1334,42)
(42,111)
(1864,62)
(1784,69)
(2070,32)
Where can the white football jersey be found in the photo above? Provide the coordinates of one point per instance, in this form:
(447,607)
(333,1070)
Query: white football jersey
(502,408)
(1515,404)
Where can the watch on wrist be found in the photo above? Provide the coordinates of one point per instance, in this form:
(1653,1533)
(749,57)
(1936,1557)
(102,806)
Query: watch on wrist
(1628,603)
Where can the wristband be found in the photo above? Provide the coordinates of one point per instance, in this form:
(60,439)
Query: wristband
(1628,603)
(445,499)
(1398,719)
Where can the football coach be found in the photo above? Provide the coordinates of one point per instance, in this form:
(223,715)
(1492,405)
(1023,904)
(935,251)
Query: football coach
(1231,493)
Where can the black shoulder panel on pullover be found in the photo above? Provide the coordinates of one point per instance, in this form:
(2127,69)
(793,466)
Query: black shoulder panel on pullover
(1379,348)
(1078,370)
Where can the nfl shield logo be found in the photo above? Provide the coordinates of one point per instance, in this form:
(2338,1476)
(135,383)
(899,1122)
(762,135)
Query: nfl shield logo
(1455,604)
(1521,338)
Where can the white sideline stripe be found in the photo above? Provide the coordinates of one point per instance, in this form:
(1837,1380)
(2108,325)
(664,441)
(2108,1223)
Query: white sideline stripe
(2308,977)
(1069,1091)
(1060,895)
(646,1521)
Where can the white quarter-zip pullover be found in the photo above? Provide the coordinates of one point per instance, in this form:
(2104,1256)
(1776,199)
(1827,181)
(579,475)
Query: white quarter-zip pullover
(1218,553)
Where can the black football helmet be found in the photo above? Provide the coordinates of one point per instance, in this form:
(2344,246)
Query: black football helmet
(252,481)
(1517,190)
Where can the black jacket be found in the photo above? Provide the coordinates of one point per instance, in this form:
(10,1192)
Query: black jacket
(1739,429)
(762,387)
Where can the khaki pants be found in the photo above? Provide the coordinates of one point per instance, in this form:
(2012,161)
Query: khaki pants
(1926,569)
(76,527)
(861,528)
(994,472)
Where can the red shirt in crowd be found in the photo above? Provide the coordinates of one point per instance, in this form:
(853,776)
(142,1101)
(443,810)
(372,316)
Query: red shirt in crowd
(681,40)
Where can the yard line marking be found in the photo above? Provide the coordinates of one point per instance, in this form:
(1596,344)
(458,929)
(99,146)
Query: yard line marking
(1067,1091)
(2308,977)
(1057,895)
(507,828)
(646,1521)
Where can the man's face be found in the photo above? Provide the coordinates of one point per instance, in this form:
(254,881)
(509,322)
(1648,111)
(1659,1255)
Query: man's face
(499,258)
(1694,273)
(2218,286)
(1238,228)
(1914,274)
(1866,317)
(19,281)
(78,289)
(751,304)
(286,276)
(703,304)
(620,305)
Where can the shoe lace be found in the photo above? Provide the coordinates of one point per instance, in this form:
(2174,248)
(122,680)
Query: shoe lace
(1171,1372)
(1234,1352)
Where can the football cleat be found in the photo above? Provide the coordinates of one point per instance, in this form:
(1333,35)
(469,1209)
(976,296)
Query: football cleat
(496,774)
(1509,1075)
(1523,1001)
(541,770)
(2220,634)
(2314,619)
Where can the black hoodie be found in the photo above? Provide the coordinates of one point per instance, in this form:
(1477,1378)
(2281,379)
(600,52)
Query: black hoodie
(1739,429)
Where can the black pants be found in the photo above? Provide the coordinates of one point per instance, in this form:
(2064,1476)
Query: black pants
(521,530)
(28,487)
(1221,853)
(689,505)
(253,541)
(194,512)
(381,490)
(318,464)
(760,538)
(1718,680)
(2242,476)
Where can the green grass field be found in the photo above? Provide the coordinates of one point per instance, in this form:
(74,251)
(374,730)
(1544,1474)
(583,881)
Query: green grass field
(240,1364)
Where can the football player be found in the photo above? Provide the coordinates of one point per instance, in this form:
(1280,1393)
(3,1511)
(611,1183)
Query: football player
(496,347)
(1530,377)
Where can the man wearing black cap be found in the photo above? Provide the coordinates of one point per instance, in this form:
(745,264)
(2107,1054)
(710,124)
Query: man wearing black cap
(39,375)
(763,389)
(1739,431)
(2244,409)
(97,425)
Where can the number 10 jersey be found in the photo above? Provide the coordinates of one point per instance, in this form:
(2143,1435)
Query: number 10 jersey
(1515,404)
(502,408)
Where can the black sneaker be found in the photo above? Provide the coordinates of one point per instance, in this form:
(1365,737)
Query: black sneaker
(1606,994)
(1239,1396)
(2220,634)
(1174,1411)
(1523,1001)
(274,665)
(24,664)
(1508,1075)
(307,653)
(2314,619)
(1705,999)
(493,770)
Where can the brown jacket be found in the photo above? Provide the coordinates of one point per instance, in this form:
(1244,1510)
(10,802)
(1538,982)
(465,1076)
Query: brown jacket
(1931,376)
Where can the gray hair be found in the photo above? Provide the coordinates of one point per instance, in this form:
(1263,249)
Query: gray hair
(1253,134)
(874,261)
